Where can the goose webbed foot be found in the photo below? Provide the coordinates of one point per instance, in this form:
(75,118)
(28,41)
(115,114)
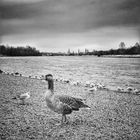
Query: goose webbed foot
(64,120)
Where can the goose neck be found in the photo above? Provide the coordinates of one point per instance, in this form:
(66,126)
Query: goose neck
(50,85)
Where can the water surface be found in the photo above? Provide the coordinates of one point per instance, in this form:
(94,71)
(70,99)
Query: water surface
(112,72)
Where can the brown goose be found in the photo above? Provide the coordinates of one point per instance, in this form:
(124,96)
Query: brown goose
(62,104)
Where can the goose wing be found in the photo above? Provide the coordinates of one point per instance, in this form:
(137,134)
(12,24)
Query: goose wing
(66,109)
(74,103)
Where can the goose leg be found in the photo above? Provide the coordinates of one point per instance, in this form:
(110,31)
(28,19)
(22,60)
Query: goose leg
(62,119)
(65,119)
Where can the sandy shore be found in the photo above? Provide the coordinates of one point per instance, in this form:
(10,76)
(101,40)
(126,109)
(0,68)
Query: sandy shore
(113,115)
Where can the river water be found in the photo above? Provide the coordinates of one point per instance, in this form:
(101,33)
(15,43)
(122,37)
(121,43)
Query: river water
(112,72)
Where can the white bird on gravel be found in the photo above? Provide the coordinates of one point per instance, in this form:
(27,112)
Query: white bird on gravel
(91,85)
(99,85)
(130,89)
(74,83)
(120,89)
(93,89)
(136,91)
(61,104)
(87,83)
(24,97)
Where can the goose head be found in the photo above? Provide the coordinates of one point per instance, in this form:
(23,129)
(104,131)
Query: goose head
(49,78)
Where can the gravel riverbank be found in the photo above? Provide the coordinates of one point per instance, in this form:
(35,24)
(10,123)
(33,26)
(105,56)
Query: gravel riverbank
(113,115)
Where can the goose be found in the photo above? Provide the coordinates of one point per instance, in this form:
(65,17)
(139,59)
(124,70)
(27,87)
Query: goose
(61,104)
(24,97)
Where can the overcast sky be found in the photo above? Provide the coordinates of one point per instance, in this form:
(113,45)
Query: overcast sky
(56,25)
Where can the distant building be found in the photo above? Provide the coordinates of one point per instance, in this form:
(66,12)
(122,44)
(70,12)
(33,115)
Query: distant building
(78,51)
(122,45)
(86,51)
(68,52)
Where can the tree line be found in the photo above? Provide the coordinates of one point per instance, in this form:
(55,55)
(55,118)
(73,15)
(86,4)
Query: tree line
(18,51)
(31,51)
(122,50)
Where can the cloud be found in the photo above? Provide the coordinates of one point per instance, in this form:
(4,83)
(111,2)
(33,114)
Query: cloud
(71,16)
(131,10)
(50,17)
(17,10)
(12,16)
(130,4)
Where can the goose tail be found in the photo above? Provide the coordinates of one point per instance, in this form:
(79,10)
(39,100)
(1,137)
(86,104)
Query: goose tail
(84,106)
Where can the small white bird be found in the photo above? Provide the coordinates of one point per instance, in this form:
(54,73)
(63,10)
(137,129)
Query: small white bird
(87,84)
(74,83)
(93,89)
(130,89)
(91,85)
(99,85)
(24,97)
(120,89)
